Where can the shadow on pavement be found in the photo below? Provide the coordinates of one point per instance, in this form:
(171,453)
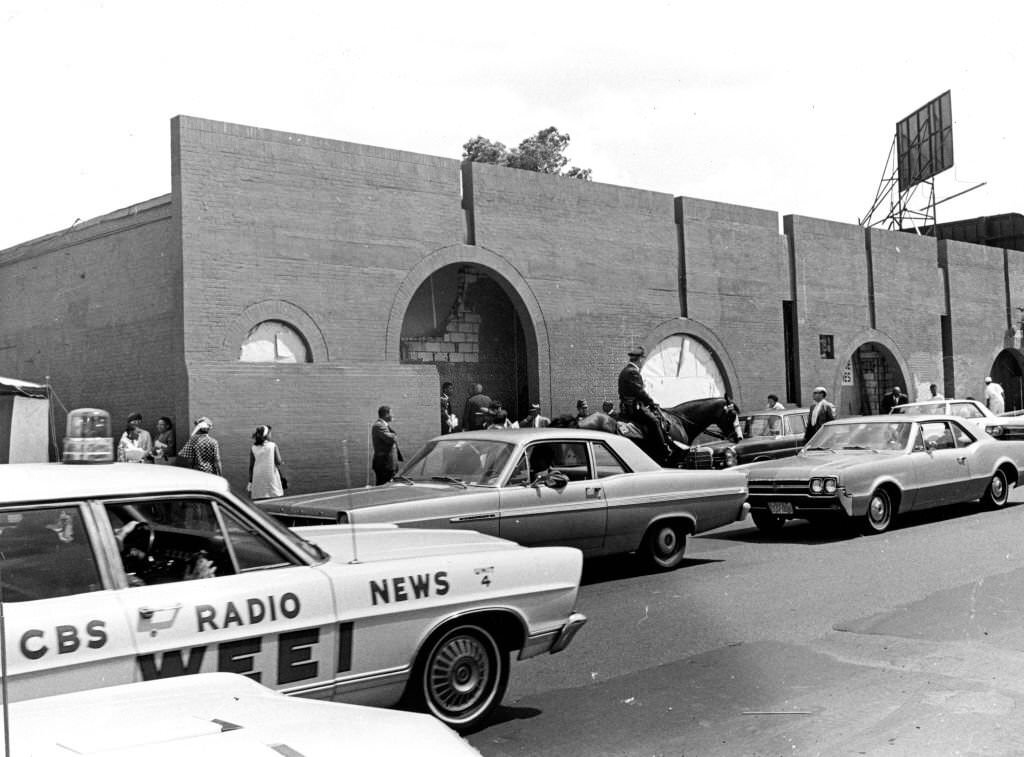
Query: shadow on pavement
(616,567)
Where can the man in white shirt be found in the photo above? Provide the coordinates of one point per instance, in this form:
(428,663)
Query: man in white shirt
(993,396)
(773,403)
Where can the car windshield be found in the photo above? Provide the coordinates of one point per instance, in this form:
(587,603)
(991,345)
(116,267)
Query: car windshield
(761,425)
(879,437)
(459,460)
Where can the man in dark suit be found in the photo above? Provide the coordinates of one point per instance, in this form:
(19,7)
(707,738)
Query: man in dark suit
(821,412)
(892,399)
(478,410)
(636,405)
(386,455)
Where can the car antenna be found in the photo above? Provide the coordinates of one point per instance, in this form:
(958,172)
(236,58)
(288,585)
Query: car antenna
(3,670)
(352,526)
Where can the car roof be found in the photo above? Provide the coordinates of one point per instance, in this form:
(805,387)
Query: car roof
(517,435)
(41,482)
(769,411)
(895,419)
(936,402)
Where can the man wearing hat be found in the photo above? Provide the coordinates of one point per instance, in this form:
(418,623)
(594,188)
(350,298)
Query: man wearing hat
(892,399)
(994,396)
(821,412)
(636,404)
(534,419)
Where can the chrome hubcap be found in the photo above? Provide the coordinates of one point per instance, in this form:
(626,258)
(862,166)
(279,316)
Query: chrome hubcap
(667,541)
(998,489)
(878,510)
(459,673)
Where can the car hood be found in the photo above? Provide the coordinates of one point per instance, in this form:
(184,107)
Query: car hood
(327,504)
(806,465)
(375,543)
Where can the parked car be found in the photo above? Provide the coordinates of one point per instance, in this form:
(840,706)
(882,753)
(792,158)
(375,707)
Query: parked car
(218,714)
(587,489)
(767,434)
(974,413)
(873,468)
(113,573)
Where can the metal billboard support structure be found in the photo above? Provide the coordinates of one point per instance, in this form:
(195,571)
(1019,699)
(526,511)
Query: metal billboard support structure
(899,201)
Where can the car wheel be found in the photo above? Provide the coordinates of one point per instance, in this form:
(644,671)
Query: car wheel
(880,513)
(998,491)
(768,523)
(665,545)
(461,677)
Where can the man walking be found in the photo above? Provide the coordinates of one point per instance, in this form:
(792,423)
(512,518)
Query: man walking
(386,454)
(892,399)
(821,412)
(449,421)
(994,400)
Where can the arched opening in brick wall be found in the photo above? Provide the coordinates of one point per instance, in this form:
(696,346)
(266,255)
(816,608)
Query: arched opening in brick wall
(469,321)
(870,373)
(1008,372)
(681,367)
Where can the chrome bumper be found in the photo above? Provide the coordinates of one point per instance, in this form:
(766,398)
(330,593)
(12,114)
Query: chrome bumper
(553,641)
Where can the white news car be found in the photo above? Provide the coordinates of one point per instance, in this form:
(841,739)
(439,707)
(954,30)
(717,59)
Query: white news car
(223,714)
(119,572)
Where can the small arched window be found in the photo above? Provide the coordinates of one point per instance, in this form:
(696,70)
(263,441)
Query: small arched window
(275,342)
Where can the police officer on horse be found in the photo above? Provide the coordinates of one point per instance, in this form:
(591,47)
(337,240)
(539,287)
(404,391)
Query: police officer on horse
(638,406)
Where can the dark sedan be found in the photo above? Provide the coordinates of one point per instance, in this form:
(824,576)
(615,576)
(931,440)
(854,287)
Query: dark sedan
(767,434)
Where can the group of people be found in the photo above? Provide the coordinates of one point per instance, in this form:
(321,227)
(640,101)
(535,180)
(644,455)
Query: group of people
(483,412)
(202,452)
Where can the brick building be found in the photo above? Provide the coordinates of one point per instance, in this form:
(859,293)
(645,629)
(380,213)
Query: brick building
(301,282)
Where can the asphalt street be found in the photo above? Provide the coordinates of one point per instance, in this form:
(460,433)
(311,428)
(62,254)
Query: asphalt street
(815,642)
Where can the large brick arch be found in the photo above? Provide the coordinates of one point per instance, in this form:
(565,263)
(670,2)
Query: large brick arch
(275,310)
(845,350)
(504,273)
(699,331)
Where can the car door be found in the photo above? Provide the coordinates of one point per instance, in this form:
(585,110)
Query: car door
(534,512)
(63,623)
(207,590)
(942,469)
(793,428)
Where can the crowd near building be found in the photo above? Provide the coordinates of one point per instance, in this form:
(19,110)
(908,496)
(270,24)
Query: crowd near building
(303,282)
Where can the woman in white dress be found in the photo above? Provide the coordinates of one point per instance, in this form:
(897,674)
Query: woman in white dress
(135,445)
(264,466)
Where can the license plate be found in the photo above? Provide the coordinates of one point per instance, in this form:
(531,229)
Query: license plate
(780,508)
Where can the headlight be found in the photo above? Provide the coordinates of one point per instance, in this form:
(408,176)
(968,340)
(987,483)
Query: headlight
(831,485)
(817,486)
(729,457)
(994,430)
(343,517)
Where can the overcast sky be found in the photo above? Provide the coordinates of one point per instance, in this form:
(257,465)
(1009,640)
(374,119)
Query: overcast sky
(785,106)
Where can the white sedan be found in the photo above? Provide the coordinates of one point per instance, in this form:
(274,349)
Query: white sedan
(113,573)
(974,413)
(225,714)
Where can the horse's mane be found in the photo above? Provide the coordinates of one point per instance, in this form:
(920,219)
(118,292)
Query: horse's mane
(565,420)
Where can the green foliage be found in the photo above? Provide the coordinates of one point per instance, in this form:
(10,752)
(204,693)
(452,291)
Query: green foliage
(544,152)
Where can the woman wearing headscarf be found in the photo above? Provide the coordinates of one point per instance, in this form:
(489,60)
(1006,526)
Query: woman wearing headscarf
(136,445)
(264,466)
(202,451)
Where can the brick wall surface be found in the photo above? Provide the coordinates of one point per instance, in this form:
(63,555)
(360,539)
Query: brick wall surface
(146,308)
(737,277)
(601,261)
(321,415)
(96,308)
(977,308)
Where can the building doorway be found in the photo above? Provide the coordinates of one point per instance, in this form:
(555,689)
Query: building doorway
(469,322)
(681,368)
(870,373)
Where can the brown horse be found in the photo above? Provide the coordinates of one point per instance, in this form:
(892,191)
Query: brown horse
(683,422)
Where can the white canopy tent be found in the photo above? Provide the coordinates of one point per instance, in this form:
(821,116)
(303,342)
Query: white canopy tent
(24,421)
